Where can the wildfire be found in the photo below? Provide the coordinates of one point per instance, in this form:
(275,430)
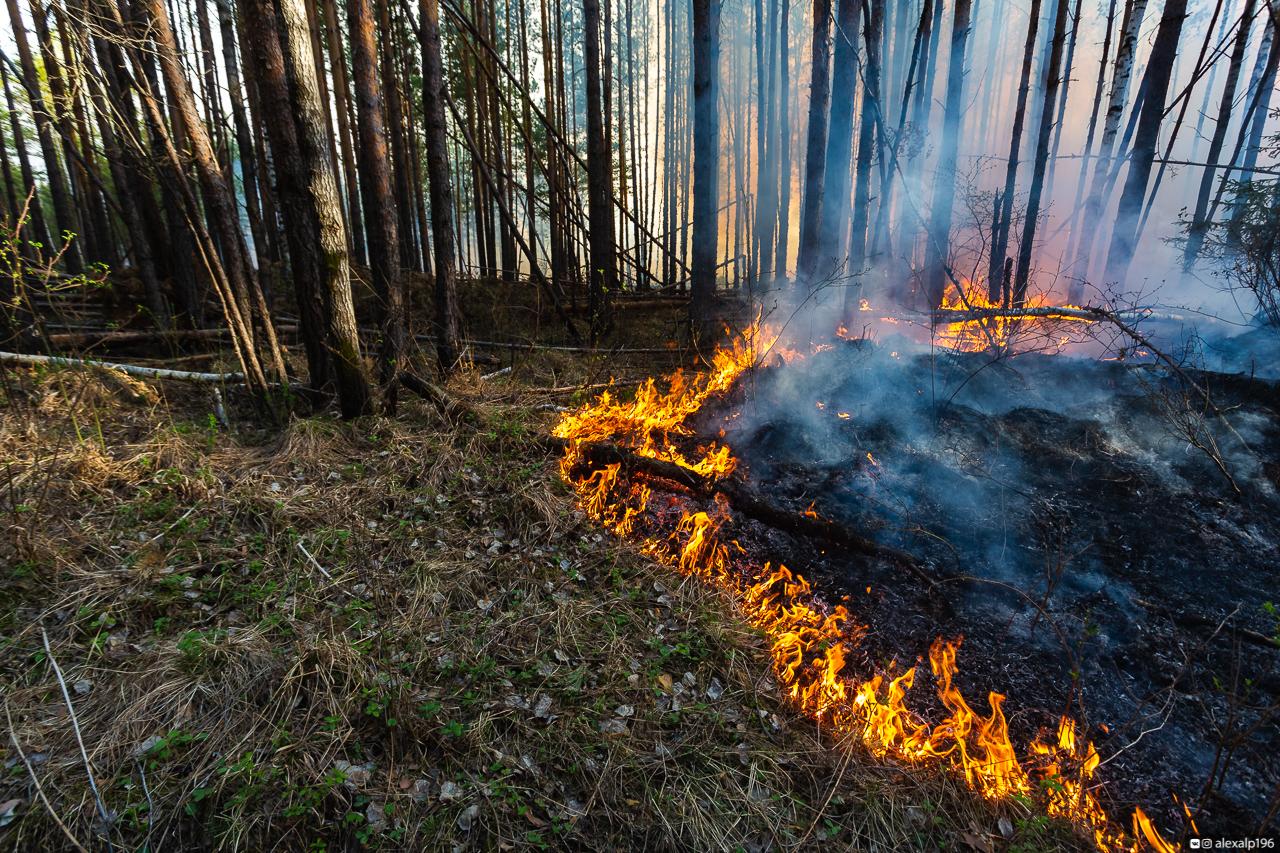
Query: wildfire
(810,640)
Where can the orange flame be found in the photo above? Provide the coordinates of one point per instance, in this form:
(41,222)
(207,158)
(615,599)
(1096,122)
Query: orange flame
(810,640)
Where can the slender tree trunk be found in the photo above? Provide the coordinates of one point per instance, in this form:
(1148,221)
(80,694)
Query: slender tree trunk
(243,134)
(706,164)
(1075,289)
(1199,222)
(321,194)
(379,199)
(447,321)
(1159,69)
(937,249)
(1120,79)
(36,230)
(815,157)
(219,203)
(1004,202)
(871,114)
(833,226)
(604,270)
(342,97)
(1258,120)
(1040,165)
(782,257)
(63,209)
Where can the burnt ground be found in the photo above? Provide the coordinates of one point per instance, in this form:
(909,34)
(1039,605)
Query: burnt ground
(1093,557)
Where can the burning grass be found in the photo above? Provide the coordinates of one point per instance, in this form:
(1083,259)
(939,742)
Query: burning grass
(810,638)
(392,634)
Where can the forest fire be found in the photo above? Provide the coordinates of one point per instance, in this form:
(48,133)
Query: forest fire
(812,640)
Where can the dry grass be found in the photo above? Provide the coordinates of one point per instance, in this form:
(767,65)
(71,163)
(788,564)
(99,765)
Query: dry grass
(396,634)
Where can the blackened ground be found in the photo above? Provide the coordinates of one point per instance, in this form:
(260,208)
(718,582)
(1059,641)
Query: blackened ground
(1089,547)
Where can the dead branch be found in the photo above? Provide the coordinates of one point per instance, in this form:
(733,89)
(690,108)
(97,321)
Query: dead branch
(742,498)
(131,369)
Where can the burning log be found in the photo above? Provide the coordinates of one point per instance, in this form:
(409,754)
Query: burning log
(741,498)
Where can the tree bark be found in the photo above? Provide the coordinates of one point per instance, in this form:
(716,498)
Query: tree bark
(833,226)
(447,321)
(706,164)
(603,279)
(379,199)
(815,157)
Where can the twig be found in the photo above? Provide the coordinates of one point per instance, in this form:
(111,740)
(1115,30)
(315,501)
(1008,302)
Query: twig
(314,561)
(75,727)
(13,737)
(503,372)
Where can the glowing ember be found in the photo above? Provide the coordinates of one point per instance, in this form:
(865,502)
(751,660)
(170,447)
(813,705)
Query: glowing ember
(810,640)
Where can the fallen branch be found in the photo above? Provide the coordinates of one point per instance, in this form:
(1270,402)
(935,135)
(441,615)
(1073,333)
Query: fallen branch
(448,405)
(131,369)
(742,498)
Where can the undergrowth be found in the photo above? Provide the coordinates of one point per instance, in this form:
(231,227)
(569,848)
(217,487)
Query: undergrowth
(387,634)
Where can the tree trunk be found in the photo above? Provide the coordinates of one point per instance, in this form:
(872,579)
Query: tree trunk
(1199,221)
(833,226)
(783,167)
(378,198)
(314,140)
(63,210)
(37,231)
(1004,202)
(815,156)
(871,114)
(706,164)
(938,243)
(219,203)
(341,95)
(1121,76)
(1159,69)
(604,270)
(1052,83)
(447,322)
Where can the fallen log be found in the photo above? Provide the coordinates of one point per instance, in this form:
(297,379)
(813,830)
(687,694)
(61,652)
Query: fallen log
(743,499)
(131,369)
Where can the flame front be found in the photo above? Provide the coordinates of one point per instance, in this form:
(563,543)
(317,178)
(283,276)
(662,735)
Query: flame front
(810,640)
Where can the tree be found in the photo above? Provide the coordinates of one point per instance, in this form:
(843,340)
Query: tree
(1199,218)
(63,209)
(937,247)
(1023,273)
(834,224)
(815,155)
(603,278)
(378,199)
(285,70)
(1121,75)
(447,322)
(1159,71)
(871,115)
(1004,201)
(706,162)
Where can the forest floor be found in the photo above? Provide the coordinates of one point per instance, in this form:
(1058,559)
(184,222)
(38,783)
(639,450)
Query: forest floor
(393,634)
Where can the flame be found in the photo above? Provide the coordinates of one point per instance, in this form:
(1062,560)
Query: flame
(990,332)
(811,642)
